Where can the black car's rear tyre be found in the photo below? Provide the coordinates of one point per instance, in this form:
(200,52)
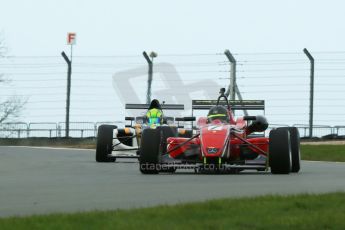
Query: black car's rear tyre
(295,148)
(149,151)
(105,143)
(166,132)
(280,151)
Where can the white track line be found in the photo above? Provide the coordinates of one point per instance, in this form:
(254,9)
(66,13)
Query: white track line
(338,162)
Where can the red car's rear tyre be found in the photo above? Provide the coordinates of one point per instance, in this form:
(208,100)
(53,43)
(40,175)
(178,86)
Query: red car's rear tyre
(295,148)
(280,151)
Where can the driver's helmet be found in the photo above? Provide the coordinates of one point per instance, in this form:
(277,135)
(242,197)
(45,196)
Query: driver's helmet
(218,113)
(155,104)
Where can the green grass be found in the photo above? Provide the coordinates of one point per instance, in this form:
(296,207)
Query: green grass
(268,212)
(323,152)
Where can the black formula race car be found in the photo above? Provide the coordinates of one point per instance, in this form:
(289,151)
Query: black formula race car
(114,142)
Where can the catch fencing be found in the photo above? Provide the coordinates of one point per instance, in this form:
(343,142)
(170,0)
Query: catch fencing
(103,84)
(89,129)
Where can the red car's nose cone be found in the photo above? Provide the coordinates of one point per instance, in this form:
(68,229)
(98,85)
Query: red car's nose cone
(213,139)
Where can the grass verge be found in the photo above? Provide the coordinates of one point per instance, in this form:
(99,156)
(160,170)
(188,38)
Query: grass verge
(325,211)
(323,152)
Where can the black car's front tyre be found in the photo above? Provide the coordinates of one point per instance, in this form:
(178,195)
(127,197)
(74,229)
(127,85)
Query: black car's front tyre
(104,144)
(149,151)
(280,151)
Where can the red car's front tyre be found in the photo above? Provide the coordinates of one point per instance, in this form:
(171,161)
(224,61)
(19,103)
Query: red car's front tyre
(280,151)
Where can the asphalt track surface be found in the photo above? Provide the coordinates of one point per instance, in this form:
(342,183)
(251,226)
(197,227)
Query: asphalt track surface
(45,180)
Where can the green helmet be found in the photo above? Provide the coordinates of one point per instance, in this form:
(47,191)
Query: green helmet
(218,112)
(154,116)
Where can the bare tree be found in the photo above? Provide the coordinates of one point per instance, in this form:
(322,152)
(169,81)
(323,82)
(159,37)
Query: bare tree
(10,107)
(3,50)
(3,47)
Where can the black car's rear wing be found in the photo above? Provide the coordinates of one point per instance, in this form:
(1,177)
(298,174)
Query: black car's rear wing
(141,119)
(234,105)
(164,106)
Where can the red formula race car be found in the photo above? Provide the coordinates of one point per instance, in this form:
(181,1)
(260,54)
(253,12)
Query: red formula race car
(222,144)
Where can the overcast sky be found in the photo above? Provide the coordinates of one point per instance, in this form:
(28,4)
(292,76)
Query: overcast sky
(107,27)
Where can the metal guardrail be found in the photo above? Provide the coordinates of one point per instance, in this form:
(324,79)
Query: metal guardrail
(51,130)
(11,129)
(89,129)
(43,129)
(318,130)
(339,130)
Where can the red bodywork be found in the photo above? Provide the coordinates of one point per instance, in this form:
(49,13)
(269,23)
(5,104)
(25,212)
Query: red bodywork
(219,140)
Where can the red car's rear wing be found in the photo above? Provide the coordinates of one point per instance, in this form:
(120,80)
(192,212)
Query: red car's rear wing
(234,105)
(164,106)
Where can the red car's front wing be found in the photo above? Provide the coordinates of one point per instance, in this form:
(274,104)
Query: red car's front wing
(184,152)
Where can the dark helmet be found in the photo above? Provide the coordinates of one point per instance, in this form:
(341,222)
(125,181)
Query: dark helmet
(218,112)
(155,104)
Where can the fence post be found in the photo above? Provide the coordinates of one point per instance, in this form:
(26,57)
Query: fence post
(69,73)
(232,87)
(149,80)
(28,131)
(311,102)
(58,130)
